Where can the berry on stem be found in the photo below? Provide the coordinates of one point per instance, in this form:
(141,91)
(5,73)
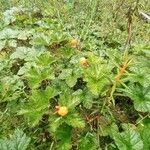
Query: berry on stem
(62,110)
(74,43)
(84,62)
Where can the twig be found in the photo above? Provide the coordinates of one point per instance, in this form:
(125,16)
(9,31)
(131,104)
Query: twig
(130,13)
(121,72)
(117,10)
(129,29)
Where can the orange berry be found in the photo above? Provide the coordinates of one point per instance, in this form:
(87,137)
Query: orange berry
(62,111)
(84,62)
(74,43)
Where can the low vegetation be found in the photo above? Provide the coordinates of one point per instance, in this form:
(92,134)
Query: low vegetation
(74,75)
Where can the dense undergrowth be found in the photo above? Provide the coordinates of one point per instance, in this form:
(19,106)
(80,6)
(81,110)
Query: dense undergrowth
(75,75)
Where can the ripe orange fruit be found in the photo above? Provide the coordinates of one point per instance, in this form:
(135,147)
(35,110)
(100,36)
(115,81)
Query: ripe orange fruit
(62,111)
(74,43)
(84,62)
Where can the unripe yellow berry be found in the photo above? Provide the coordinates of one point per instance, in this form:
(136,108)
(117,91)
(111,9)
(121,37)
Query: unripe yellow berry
(62,111)
(84,62)
(74,43)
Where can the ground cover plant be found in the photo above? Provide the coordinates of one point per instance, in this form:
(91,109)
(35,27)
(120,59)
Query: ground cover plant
(74,75)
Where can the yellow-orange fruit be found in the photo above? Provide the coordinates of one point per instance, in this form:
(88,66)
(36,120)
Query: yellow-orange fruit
(62,111)
(74,43)
(84,62)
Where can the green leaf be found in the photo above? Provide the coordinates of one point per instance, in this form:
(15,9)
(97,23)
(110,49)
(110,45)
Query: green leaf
(18,141)
(140,71)
(36,75)
(12,43)
(38,104)
(87,98)
(4,145)
(141,97)
(41,70)
(144,130)
(75,120)
(145,135)
(9,15)
(65,73)
(115,56)
(69,76)
(33,116)
(24,69)
(88,142)
(96,86)
(65,98)
(76,99)
(55,122)
(129,139)
(96,75)
(24,35)
(41,98)
(21,53)
(71,81)
(64,135)
(45,59)
(40,40)
(9,33)
(28,54)
(69,99)
(10,88)
(2,44)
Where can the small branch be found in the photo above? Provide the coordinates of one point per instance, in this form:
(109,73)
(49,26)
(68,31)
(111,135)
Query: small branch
(117,10)
(129,29)
(130,14)
(117,79)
